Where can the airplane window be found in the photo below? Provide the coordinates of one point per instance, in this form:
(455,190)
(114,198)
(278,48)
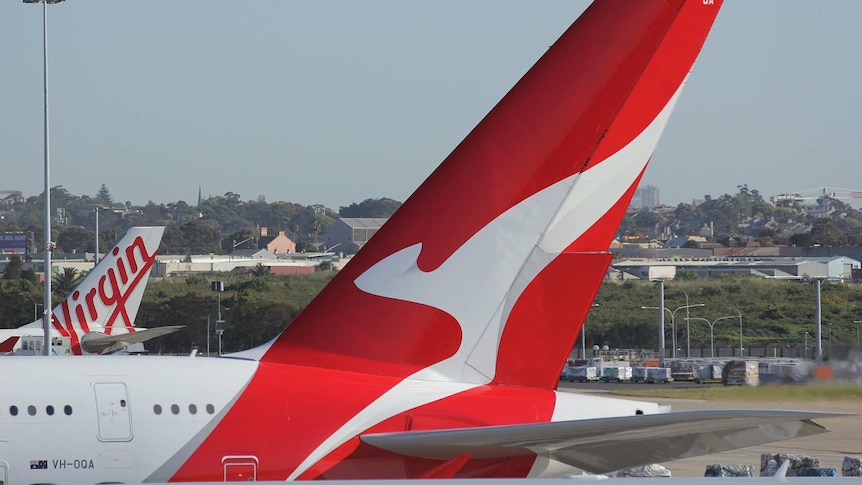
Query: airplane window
(31,410)
(175,409)
(210,409)
(157,409)
(50,410)
(13,410)
(193,409)
(67,409)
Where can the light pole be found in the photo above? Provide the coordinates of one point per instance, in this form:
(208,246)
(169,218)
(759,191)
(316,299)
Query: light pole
(818,332)
(96,256)
(687,327)
(711,330)
(583,332)
(97,209)
(673,324)
(806,344)
(235,244)
(857,322)
(219,328)
(217,286)
(46,309)
(739,315)
(208,333)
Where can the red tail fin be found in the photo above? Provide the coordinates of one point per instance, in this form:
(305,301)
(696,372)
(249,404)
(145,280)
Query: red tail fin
(108,298)
(455,285)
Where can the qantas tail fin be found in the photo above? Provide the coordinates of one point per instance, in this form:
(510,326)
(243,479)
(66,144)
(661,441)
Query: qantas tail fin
(107,299)
(487,271)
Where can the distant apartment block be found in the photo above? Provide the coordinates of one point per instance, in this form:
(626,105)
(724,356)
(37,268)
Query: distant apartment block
(646,196)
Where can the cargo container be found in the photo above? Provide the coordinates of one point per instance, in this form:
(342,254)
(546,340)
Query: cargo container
(616,374)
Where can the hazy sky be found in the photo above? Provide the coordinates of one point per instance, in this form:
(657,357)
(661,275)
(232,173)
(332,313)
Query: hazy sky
(336,102)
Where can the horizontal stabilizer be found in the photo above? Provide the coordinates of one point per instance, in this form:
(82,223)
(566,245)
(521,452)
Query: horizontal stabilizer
(607,444)
(97,342)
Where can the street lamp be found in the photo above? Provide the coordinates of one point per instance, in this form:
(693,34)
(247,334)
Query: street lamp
(219,328)
(208,333)
(739,315)
(97,209)
(217,286)
(857,322)
(583,332)
(235,244)
(806,344)
(687,327)
(711,330)
(46,309)
(673,324)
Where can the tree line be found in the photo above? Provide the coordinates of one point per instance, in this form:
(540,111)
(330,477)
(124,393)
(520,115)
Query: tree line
(257,305)
(218,224)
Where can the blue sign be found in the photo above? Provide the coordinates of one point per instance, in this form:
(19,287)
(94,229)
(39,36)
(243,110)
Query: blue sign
(13,242)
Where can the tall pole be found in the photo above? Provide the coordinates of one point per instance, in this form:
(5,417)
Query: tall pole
(673,320)
(661,323)
(687,326)
(208,333)
(219,319)
(47,316)
(857,322)
(96,258)
(672,335)
(712,340)
(739,314)
(583,331)
(818,344)
(584,340)
(712,331)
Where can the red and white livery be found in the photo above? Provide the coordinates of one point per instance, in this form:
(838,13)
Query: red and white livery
(437,350)
(99,314)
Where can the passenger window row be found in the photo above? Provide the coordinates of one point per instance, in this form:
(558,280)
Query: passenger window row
(32,411)
(175,409)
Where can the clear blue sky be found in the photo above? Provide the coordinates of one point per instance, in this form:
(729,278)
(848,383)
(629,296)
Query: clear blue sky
(336,102)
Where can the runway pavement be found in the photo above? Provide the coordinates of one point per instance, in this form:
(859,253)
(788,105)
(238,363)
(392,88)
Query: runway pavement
(844,438)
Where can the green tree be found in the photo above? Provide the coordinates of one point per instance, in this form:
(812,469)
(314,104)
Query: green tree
(76,240)
(65,281)
(370,208)
(825,233)
(103,195)
(13,268)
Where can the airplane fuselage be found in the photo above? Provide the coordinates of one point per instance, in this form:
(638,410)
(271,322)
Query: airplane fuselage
(196,419)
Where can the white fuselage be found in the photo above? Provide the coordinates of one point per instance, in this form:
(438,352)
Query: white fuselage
(134,419)
(92,435)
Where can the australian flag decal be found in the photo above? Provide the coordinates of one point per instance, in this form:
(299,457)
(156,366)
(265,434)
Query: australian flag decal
(38,464)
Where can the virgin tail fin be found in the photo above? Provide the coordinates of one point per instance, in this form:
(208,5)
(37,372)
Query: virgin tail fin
(108,298)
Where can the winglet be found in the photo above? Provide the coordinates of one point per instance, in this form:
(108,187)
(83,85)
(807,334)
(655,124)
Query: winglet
(782,470)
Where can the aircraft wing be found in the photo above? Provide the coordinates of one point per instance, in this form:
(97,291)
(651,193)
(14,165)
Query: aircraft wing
(608,444)
(95,342)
